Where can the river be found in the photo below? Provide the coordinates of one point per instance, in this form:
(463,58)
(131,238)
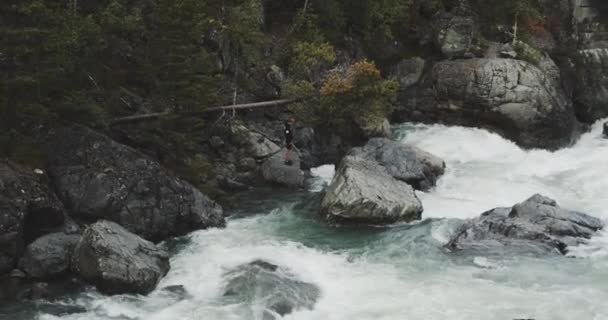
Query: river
(399,272)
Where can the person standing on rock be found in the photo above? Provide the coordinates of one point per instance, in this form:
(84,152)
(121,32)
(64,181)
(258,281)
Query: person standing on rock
(288,140)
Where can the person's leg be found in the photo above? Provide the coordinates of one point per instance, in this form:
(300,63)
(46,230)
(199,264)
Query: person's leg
(288,154)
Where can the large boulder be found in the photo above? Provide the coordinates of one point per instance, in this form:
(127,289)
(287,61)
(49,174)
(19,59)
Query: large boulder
(409,164)
(591,83)
(276,171)
(362,191)
(538,225)
(118,261)
(98,178)
(49,255)
(28,209)
(257,145)
(511,97)
(273,287)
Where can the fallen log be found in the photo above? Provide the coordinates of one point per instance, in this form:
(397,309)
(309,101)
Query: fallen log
(154,116)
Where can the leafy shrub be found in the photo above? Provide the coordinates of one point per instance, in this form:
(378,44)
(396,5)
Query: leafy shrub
(357,96)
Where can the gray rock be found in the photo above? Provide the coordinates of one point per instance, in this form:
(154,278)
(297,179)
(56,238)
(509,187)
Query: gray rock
(408,72)
(410,164)
(177,291)
(605,130)
(40,290)
(455,35)
(99,178)
(511,97)
(272,286)
(363,192)
(49,255)
(380,128)
(10,285)
(304,137)
(231,184)
(247,164)
(538,225)
(257,145)
(588,65)
(507,51)
(117,261)
(275,76)
(276,171)
(19,288)
(591,83)
(28,209)
(216,142)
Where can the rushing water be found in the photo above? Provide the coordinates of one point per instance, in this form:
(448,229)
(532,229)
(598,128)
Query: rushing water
(400,272)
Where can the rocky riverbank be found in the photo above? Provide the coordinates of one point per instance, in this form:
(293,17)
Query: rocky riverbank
(49,226)
(103,202)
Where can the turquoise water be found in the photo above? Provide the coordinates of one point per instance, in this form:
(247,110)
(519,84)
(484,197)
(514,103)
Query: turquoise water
(402,271)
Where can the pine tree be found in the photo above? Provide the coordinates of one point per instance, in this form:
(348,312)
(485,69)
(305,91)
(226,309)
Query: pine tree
(35,44)
(182,67)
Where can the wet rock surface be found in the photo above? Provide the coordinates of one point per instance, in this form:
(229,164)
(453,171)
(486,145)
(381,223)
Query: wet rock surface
(276,170)
(362,191)
(98,178)
(49,255)
(28,209)
(410,164)
(118,261)
(279,291)
(511,97)
(537,225)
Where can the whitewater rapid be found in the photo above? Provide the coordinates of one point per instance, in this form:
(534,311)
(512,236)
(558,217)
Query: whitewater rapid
(402,272)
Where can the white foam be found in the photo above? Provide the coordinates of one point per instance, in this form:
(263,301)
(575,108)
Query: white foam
(486,171)
(483,171)
(352,289)
(321,177)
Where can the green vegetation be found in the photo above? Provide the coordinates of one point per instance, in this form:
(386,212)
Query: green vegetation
(527,52)
(90,61)
(357,96)
(70,61)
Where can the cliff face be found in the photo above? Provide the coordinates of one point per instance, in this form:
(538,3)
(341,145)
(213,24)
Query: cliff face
(535,89)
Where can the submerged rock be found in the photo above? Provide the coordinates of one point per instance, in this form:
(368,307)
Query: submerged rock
(99,178)
(537,224)
(261,282)
(117,261)
(605,129)
(49,255)
(410,164)
(362,191)
(511,97)
(276,171)
(28,209)
(177,291)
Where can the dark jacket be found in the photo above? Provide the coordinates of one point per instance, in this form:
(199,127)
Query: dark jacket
(288,131)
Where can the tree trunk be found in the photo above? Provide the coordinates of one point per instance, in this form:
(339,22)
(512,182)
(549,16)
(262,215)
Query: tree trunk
(515,25)
(154,116)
